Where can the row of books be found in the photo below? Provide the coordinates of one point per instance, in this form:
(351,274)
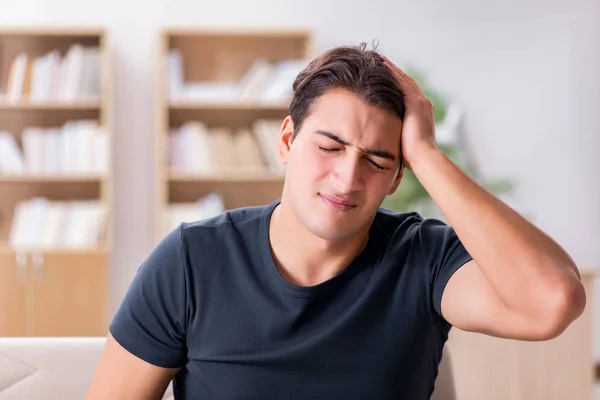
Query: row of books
(77,147)
(54,77)
(195,147)
(39,223)
(263,82)
(207,206)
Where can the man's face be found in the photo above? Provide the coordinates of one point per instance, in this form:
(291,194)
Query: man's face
(341,165)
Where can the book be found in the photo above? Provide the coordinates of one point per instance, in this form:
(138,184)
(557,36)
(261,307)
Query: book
(39,223)
(11,155)
(76,147)
(196,148)
(55,77)
(264,82)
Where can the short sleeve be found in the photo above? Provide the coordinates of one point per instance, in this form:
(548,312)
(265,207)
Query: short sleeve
(443,254)
(151,321)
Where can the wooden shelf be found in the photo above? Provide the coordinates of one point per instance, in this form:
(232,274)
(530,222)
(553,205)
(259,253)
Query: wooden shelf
(232,106)
(232,177)
(50,106)
(7,249)
(230,117)
(62,290)
(59,179)
(236,32)
(223,57)
(45,32)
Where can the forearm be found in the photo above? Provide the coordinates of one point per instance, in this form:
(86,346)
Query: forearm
(525,266)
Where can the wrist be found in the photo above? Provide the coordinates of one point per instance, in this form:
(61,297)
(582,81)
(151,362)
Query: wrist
(423,156)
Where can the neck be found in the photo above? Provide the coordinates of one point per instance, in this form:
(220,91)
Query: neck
(303,258)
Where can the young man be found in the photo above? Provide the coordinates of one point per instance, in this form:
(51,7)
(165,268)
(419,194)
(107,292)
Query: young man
(324,294)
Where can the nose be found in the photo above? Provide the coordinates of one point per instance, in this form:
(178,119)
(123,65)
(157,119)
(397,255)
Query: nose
(346,174)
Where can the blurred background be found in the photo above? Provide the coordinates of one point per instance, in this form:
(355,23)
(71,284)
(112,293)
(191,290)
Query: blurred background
(119,119)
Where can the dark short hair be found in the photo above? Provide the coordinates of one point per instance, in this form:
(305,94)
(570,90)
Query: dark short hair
(353,68)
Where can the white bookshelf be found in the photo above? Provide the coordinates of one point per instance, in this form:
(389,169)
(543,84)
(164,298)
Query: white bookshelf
(55,115)
(211,79)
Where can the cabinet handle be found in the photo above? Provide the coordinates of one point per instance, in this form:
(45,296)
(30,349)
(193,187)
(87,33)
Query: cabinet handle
(38,267)
(21,259)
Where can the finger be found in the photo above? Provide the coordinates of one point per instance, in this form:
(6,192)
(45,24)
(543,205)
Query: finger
(405,87)
(411,82)
(407,78)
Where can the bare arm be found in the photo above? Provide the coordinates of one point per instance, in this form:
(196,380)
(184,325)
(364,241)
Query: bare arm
(121,375)
(521,283)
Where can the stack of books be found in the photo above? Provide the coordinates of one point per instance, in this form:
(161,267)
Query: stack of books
(197,148)
(77,147)
(39,223)
(263,82)
(52,77)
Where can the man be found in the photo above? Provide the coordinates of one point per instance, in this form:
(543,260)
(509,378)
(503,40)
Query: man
(324,294)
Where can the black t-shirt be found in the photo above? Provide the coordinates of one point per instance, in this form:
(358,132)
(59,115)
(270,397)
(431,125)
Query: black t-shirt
(210,299)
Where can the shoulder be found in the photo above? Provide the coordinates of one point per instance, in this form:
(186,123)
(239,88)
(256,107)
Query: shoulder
(424,236)
(391,219)
(411,222)
(396,224)
(233,223)
(229,219)
(432,242)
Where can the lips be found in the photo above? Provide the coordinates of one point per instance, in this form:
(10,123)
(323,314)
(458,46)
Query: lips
(337,203)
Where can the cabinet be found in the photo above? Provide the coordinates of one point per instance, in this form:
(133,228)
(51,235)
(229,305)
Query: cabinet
(53,293)
(13,304)
(485,367)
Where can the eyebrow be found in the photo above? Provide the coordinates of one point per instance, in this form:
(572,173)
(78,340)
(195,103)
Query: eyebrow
(374,152)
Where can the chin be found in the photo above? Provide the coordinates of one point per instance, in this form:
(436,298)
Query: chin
(330,233)
(332,229)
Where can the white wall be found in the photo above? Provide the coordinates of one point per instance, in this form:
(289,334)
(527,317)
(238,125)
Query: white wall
(526,72)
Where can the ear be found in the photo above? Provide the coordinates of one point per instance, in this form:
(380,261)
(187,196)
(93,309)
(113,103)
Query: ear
(284,142)
(397,180)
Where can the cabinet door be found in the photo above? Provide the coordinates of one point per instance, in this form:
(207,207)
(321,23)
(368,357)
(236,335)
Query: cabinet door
(485,367)
(70,293)
(14,313)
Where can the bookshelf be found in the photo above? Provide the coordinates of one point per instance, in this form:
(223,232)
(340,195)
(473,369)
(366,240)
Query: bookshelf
(222,95)
(55,180)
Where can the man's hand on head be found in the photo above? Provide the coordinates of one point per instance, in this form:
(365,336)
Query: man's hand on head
(418,131)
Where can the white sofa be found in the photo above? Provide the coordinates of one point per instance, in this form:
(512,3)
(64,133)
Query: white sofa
(49,368)
(62,368)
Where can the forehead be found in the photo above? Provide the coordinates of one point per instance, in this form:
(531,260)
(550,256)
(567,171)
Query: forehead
(349,116)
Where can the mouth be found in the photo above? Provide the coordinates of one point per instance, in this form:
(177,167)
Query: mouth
(337,203)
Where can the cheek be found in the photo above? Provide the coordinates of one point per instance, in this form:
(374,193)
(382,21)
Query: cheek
(378,184)
(320,166)
(312,164)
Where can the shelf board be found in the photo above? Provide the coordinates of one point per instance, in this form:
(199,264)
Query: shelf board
(227,177)
(6,248)
(51,31)
(51,105)
(245,106)
(243,32)
(51,178)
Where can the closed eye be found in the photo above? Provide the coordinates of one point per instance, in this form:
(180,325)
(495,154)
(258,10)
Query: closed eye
(379,167)
(333,150)
(327,150)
